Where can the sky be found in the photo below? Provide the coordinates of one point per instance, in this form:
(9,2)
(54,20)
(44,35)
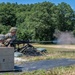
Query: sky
(70,2)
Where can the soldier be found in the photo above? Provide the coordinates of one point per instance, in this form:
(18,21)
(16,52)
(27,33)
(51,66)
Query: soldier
(2,38)
(11,36)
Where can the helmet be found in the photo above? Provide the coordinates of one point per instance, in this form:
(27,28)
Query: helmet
(13,29)
(2,37)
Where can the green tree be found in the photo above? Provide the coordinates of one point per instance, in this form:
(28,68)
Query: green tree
(7,15)
(42,22)
(65,15)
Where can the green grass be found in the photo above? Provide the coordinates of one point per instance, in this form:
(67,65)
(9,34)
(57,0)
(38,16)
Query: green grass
(69,70)
(52,53)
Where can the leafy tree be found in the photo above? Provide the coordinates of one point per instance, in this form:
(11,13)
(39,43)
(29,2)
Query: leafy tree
(42,21)
(4,29)
(37,21)
(65,15)
(7,15)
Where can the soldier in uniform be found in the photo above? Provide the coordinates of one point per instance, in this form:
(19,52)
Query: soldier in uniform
(11,36)
(2,38)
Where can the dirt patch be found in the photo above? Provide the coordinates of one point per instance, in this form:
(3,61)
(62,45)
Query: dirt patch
(57,46)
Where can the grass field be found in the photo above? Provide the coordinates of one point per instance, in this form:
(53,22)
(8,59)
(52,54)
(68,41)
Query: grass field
(53,52)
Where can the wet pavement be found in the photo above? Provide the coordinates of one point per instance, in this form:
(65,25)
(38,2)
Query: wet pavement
(44,64)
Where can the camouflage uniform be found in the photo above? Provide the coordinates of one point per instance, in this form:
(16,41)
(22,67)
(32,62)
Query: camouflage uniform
(2,37)
(9,36)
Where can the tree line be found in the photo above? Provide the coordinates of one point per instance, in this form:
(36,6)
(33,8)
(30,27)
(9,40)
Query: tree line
(37,21)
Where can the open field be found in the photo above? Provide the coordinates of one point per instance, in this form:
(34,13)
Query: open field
(53,52)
